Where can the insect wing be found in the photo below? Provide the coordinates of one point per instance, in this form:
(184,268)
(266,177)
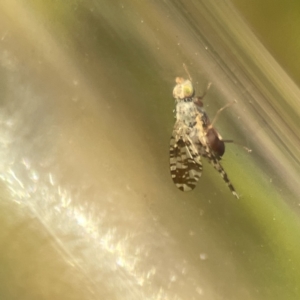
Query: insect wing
(185,162)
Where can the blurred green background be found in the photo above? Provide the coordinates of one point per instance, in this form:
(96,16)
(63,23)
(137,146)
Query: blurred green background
(276,23)
(88,208)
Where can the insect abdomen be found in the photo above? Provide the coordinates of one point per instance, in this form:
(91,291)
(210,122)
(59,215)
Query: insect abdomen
(214,142)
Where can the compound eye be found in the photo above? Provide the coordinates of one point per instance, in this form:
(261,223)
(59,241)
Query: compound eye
(183,89)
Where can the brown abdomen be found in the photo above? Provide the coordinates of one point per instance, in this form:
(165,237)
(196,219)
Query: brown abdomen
(215,143)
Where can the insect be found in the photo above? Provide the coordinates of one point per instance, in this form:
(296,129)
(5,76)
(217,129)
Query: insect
(194,136)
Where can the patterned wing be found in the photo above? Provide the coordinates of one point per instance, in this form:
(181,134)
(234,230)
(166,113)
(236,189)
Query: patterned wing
(185,161)
(216,163)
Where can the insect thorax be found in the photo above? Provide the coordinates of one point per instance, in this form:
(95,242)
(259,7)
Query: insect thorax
(186,111)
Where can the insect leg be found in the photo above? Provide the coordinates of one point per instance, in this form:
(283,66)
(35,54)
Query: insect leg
(215,162)
(220,110)
(239,144)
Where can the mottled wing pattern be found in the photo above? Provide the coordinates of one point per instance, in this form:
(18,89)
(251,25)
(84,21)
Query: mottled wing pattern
(193,136)
(185,161)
